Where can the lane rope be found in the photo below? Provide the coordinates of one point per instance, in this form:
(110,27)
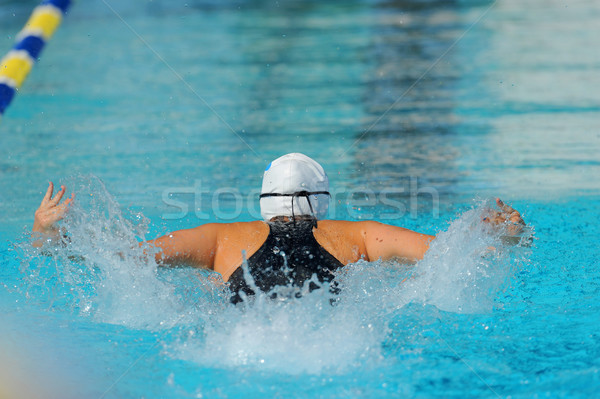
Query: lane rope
(17,63)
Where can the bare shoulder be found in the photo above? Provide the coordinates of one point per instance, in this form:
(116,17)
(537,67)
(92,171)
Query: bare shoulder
(235,239)
(342,238)
(243,227)
(347,226)
(223,230)
(243,231)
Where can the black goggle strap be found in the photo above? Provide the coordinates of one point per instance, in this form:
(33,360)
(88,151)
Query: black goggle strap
(305,194)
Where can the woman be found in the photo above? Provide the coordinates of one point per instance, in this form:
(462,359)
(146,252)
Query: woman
(290,246)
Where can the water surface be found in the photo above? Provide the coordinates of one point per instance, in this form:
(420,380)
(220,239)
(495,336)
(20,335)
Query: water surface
(415,108)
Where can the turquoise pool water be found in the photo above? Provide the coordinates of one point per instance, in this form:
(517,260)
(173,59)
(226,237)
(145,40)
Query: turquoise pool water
(420,111)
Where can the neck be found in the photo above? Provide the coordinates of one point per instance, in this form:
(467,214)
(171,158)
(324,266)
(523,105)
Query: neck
(293,219)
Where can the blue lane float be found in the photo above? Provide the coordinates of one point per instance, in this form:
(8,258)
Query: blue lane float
(17,63)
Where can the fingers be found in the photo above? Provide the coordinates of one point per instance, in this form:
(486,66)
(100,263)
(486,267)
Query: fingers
(516,218)
(48,200)
(513,215)
(51,210)
(53,214)
(62,208)
(499,218)
(503,206)
(48,193)
(50,204)
(58,196)
(68,201)
(494,217)
(60,211)
(506,215)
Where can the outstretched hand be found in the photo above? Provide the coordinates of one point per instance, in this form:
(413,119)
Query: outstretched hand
(506,215)
(51,210)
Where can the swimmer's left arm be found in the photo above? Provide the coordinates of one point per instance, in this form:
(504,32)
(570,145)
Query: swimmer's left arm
(389,242)
(392,242)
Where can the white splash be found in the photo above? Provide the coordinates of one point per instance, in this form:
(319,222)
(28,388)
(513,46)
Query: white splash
(307,335)
(463,272)
(102,271)
(467,265)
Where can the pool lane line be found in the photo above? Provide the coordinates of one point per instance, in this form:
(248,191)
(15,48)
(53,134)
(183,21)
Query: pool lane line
(30,41)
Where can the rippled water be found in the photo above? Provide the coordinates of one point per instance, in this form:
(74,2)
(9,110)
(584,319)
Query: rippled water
(419,111)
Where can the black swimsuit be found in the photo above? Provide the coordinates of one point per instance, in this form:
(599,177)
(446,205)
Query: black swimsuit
(289,257)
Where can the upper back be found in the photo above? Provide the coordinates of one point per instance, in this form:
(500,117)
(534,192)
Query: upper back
(342,239)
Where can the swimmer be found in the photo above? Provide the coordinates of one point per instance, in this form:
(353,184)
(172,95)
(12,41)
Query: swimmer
(292,244)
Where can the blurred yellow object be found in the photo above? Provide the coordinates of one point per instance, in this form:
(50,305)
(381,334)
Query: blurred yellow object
(44,19)
(16,66)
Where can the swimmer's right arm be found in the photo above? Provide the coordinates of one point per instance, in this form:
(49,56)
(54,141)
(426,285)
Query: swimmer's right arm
(50,211)
(195,247)
(192,247)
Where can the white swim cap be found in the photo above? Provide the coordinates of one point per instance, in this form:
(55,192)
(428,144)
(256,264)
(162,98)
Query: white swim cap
(294,185)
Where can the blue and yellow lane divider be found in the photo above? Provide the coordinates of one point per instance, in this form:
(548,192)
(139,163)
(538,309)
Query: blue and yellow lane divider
(15,65)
